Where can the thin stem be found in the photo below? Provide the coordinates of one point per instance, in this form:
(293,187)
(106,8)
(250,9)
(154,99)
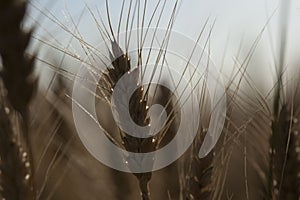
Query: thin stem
(144,188)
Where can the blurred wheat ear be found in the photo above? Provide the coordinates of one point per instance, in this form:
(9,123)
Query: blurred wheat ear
(284,163)
(197,174)
(17,78)
(15,173)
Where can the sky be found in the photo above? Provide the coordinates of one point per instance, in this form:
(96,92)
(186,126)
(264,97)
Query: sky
(238,23)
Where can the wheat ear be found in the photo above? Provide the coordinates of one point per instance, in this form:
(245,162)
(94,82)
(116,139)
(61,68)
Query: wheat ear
(283,176)
(15,172)
(17,72)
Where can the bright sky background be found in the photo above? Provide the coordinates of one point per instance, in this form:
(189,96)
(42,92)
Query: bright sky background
(237,21)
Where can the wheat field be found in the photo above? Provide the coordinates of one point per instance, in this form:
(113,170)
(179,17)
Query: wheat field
(254,147)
